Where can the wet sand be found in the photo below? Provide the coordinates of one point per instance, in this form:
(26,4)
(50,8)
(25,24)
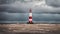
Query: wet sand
(29,28)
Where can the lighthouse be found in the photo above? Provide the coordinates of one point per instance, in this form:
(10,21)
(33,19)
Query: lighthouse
(30,17)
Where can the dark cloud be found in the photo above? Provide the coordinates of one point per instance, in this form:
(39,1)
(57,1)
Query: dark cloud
(24,17)
(13,17)
(12,9)
(54,3)
(46,17)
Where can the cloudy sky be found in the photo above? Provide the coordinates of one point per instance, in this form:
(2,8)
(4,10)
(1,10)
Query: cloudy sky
(17,10)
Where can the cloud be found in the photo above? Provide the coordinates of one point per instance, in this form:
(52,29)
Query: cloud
(13,16)
(46,17)
(24,17)
(38,6)
(54,3)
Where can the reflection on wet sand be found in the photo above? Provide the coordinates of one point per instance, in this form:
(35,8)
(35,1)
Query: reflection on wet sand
(29,28)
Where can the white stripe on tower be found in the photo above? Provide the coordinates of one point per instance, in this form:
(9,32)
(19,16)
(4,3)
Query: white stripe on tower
(30,15)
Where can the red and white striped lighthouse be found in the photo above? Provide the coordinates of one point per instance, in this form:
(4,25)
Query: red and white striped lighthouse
(30,17)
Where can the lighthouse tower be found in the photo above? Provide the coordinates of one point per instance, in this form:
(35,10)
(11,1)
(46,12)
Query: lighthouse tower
(30,17)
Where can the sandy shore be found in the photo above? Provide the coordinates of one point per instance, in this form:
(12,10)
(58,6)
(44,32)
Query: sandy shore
(30,28)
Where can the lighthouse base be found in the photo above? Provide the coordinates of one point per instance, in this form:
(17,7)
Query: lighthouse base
(30,23)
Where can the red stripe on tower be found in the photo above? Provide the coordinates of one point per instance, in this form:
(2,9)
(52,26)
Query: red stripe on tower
(30,16)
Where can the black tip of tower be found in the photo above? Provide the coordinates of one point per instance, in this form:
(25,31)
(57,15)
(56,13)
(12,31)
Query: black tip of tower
(30,10)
